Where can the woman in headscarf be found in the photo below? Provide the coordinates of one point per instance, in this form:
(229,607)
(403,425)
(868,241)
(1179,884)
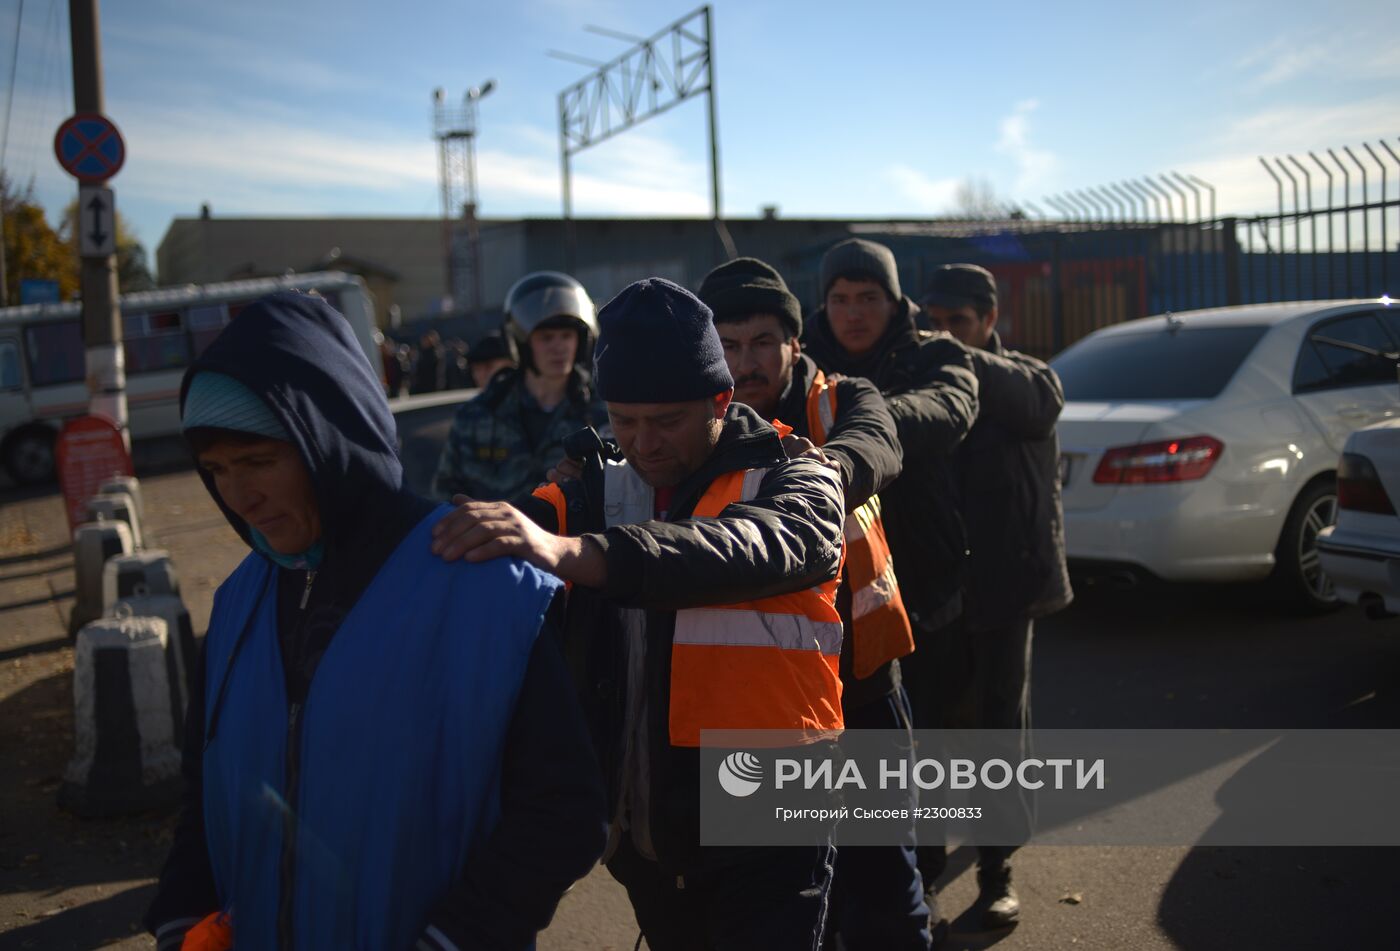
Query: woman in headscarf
(383,750)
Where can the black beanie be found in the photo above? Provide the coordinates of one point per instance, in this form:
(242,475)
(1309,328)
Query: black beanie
(657,344)
(747,286)
(856,255)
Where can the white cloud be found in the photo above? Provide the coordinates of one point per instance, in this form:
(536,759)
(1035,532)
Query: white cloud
(303,66)
(252,165)
(1291,57)
(174,148)
(1034,166)
(1244,187)
(639,174)
(923,194)
(1279,61)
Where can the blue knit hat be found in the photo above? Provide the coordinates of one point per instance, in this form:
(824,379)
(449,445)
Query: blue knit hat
(219,401)
(657,343)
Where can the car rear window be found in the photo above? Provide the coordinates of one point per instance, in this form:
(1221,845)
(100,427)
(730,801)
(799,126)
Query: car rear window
(1193,363)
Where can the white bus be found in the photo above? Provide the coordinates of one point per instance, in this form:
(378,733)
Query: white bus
(42,378)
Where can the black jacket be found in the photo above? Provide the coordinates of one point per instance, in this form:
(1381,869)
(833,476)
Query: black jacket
(1008,470)
(864,443)
(931,391)
(300,357)
(786,539)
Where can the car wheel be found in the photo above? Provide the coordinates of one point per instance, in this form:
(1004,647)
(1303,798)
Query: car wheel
(29,455)
(1298,573)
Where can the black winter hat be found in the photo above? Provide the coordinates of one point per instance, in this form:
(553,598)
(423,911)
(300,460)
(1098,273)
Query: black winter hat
(962,285)
(496,346)
(657,344)
(746,286)
(856,255)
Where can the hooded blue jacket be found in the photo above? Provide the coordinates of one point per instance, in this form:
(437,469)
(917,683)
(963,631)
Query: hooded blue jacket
(396,759)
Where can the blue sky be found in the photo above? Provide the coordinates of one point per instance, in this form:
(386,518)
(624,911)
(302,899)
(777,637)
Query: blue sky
(303,107)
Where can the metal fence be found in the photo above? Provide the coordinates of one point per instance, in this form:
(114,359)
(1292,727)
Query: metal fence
(1137,248)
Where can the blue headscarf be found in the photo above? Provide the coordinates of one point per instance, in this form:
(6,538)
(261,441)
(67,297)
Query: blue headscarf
(218,401)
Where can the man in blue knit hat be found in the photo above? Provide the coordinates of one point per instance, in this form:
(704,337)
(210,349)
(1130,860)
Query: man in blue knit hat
(700,508)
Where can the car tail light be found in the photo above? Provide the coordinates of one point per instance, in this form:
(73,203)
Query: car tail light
(1359,487)
(1171,460)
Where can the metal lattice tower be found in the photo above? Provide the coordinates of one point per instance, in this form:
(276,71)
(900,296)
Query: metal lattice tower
(454,127)
(657,74)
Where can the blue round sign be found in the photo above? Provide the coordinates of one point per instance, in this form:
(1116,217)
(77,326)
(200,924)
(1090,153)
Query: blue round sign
(89,147)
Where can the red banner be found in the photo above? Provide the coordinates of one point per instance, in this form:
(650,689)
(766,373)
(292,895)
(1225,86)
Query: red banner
(89,451)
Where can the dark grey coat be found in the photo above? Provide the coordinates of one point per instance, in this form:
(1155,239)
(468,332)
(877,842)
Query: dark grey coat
(930,389)
(1008,474)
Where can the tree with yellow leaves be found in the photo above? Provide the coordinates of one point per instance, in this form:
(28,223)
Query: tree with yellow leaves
(33,249)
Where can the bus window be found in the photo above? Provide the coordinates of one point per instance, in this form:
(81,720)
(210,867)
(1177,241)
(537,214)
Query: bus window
(155,342)
(205,322)
(9,366)
(55,353)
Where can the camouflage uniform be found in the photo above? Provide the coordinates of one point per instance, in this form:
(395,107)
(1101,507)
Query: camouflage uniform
(489,452)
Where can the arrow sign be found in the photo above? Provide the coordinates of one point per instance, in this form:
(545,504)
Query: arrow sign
(97,223)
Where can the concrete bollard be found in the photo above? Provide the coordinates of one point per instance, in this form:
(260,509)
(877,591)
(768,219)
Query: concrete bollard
(126,485)
(93,544)
(125,759)
(179,647)
(137,574)
(120,508)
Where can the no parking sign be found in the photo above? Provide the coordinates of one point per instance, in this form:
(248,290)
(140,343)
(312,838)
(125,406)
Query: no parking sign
(89,148)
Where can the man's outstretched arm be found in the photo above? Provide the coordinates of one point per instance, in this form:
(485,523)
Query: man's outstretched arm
(786,539)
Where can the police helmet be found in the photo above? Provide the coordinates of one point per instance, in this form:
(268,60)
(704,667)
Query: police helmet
(547,295)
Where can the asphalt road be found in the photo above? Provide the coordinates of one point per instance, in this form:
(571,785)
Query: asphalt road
(1162,657)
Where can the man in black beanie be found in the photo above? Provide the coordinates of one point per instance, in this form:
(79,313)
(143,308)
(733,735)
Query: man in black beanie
(878,896)
(704,510)
(1007,470)
(868,329)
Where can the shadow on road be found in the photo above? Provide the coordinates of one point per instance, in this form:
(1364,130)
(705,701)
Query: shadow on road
(53,552)
(93,924)
(38,572)
(31,602)
(1232,656)
(1223,899)
(40,647)
(66,865)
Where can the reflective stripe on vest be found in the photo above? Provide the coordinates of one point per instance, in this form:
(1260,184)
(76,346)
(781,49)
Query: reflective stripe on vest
(770,664)
(882,630)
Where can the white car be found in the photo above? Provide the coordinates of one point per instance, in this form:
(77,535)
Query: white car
(1361,553)
(1203,446)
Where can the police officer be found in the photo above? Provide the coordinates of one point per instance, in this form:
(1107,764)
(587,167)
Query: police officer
(505,439)
(491,354)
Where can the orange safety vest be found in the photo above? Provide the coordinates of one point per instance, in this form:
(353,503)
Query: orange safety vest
(882,630)
(770,664)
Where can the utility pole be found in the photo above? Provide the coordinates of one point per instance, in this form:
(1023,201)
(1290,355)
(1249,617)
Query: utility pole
(4,145)
(102,327)
(4,278)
